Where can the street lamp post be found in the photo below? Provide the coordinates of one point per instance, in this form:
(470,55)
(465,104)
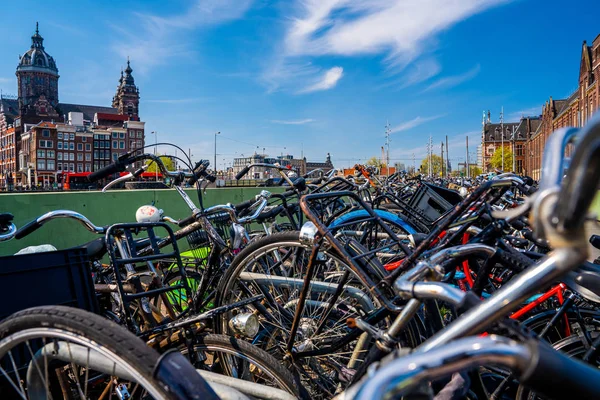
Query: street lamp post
(155,146)
(215,166)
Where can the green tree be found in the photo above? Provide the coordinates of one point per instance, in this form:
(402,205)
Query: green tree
(167,161)
(475,171)
(436,162)
(375,162)
(496,160)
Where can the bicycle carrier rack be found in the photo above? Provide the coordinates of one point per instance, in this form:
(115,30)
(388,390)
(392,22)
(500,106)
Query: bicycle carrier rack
(120,240)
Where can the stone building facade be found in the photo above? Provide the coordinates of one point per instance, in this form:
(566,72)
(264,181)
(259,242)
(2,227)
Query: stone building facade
(42,139)
(573,111)
(514,135)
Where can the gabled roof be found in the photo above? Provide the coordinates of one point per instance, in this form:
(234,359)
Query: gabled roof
(88,111)
(525,126)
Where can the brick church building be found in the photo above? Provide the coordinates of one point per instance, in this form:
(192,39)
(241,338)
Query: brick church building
(42,139)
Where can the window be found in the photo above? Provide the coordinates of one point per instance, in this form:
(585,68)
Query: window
(59,156)
(72,167)
(41,153)
(519,150)
(72,156)
(115,156)
(96,144)
(96,154)
(42,143)
(59,135)
(115,144)
(41,165)
(88,157)
(88,167)
(107,154)
(49,144)
(79,146)
(122,144)
(131,134)
(139,134)
(88,147)
(71,146)
(95,137)
(84,139)
(79,156)
(59,167)
(79,167)
(50,153)
(139,143)
(72,136)
(50,165)
(121,135)
(59,145)
(66,145)
(46,133)
(115,135)
(131,144)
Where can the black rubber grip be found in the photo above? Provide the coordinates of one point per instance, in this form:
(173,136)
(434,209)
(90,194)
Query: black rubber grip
(243,205)
(513,260)
(243,172)
(27,229)
(106,171)
(518,224)
(557,376)
(186,221)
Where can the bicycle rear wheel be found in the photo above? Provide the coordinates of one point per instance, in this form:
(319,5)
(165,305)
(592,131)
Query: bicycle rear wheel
(62,352)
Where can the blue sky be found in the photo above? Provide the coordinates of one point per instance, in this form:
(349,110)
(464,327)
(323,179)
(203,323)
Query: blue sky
(311,75)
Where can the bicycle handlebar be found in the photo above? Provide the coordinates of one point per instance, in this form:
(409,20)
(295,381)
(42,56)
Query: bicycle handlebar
(245,170)
(38,222)
(534,363)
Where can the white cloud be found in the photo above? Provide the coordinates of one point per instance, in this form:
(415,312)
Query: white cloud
(158,39)
(293,122)
(327,81)
(6,80)
(400,30)
(452,81)
(414,123)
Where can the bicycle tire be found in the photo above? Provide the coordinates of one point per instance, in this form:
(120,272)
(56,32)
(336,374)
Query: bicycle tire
(113,338)
(258,357)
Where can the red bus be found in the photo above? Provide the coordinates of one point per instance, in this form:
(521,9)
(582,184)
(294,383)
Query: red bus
(76,181)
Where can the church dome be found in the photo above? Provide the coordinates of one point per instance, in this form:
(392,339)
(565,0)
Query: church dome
(36,59)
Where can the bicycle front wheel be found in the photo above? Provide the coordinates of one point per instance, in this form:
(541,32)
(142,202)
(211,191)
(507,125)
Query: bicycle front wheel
(62,352)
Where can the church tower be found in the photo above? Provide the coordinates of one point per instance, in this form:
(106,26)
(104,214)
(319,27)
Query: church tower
(37,80)
(127,98)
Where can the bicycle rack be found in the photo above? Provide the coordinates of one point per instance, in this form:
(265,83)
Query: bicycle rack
(122,235)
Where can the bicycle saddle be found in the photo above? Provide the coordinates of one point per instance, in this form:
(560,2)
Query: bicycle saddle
(5,219)
(585,280)
(96,249)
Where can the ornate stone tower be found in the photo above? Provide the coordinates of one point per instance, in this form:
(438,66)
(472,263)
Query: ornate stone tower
(127,98)
(37,80)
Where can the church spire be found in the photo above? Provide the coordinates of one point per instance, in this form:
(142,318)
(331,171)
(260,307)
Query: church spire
(127,98)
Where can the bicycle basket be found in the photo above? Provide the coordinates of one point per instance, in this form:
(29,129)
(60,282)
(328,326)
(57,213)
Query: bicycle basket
(52,278)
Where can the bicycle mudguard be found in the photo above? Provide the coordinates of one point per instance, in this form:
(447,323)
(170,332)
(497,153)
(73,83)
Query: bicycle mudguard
(181,379)
(385,215)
